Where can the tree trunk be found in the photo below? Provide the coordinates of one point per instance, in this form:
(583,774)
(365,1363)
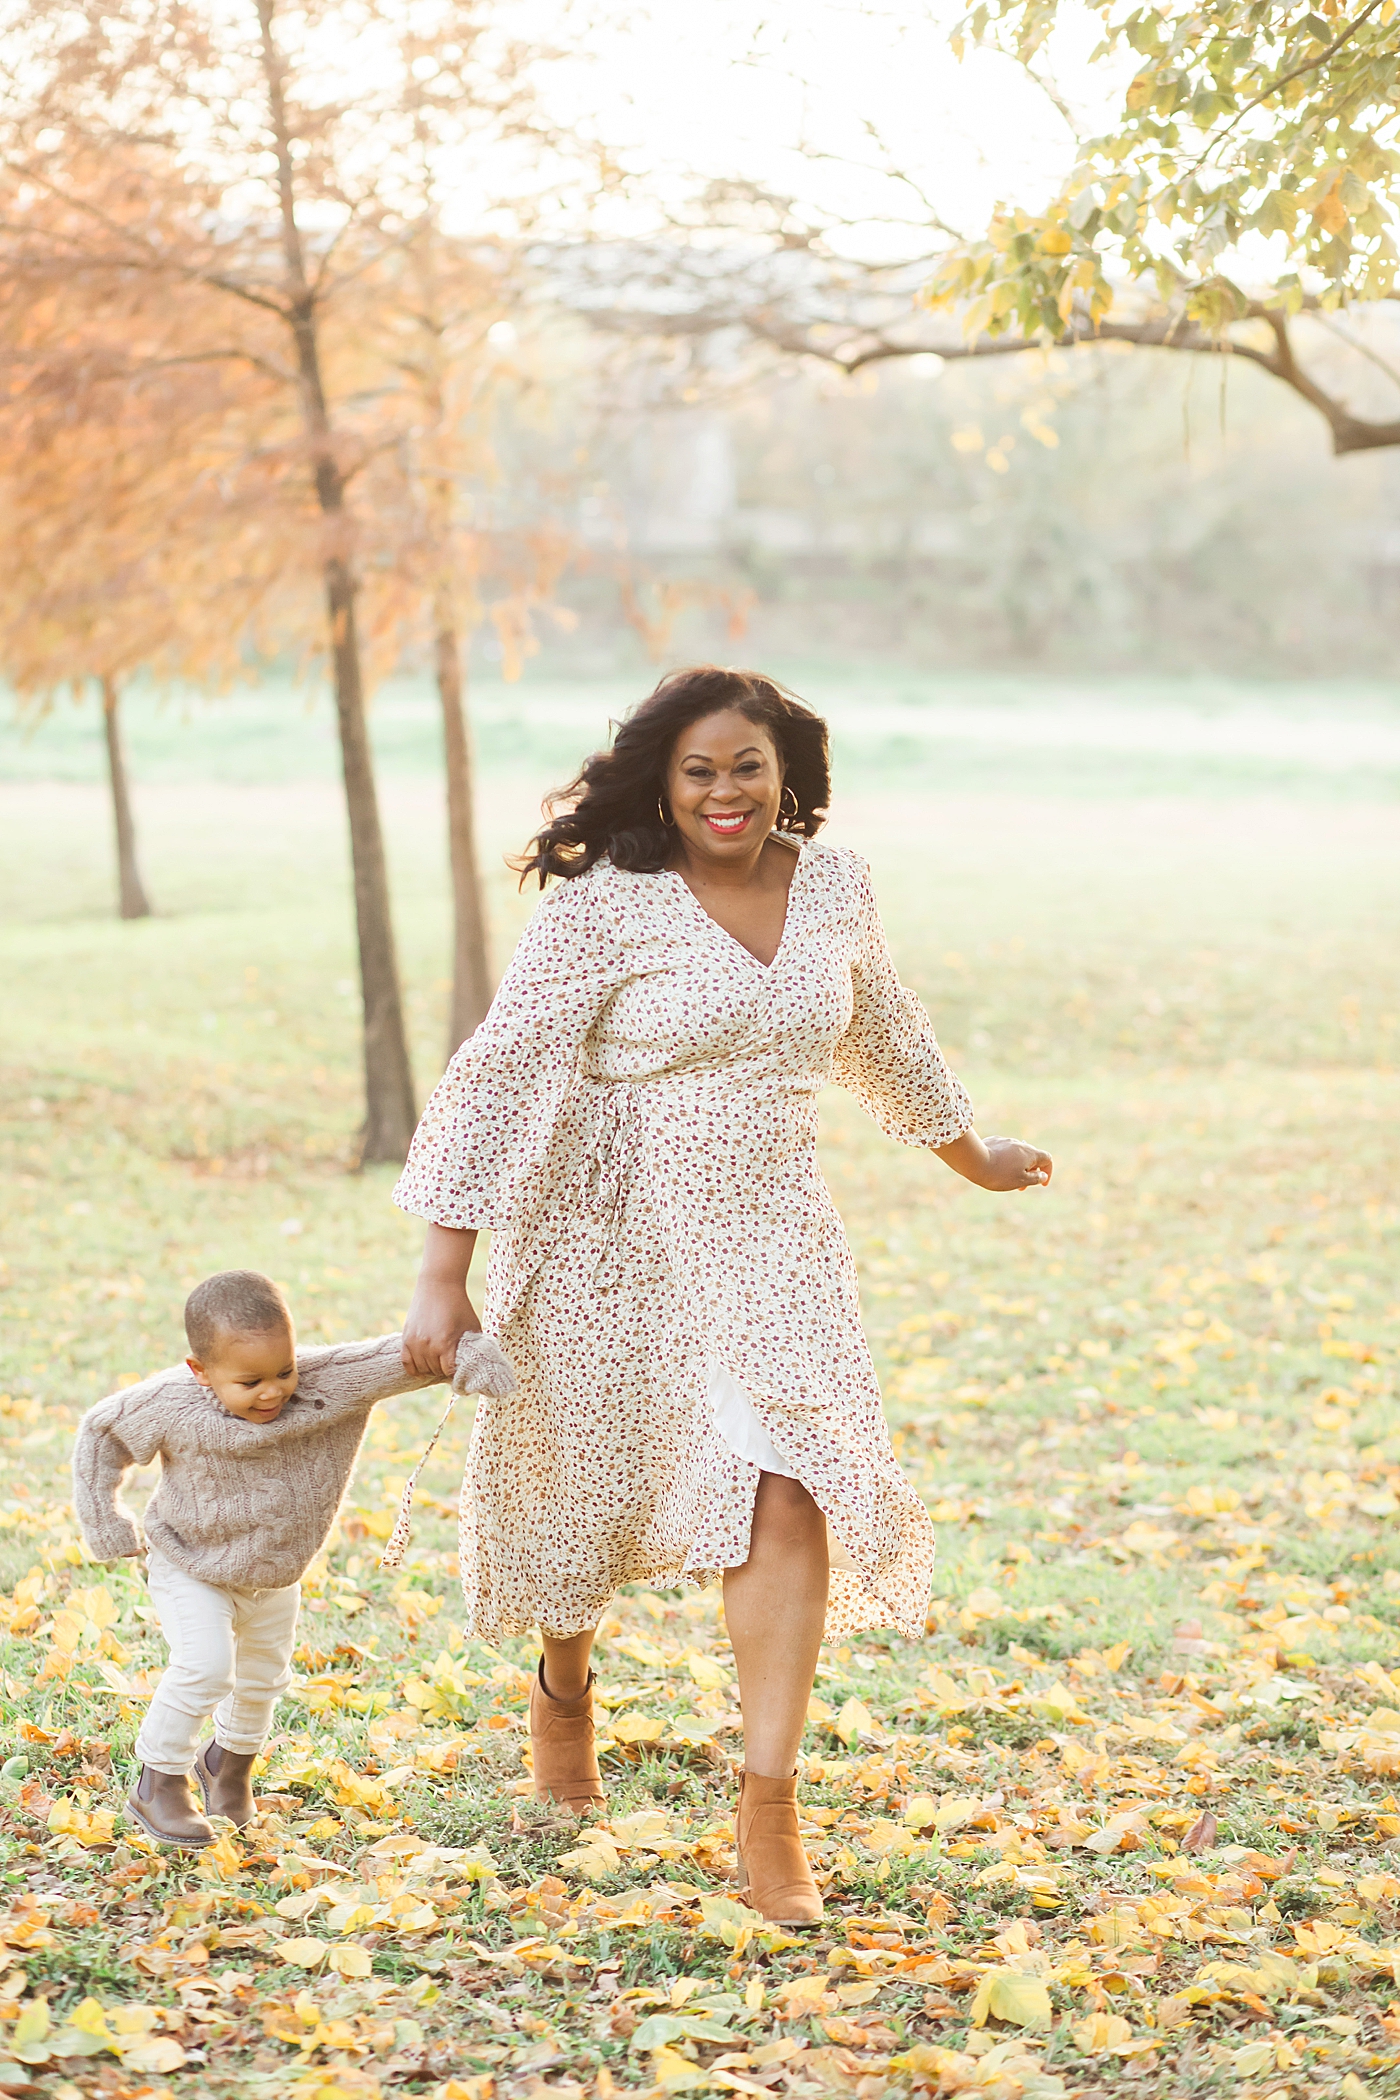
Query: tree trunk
(471,960)
(131,891)
(389,1110)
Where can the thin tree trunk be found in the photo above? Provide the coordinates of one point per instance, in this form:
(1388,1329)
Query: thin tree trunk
(131,891)
(389,1112)
(471,960)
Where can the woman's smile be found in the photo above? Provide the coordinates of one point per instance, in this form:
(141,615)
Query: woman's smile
(727,822)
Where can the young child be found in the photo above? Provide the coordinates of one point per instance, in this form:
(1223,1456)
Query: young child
(256,1447)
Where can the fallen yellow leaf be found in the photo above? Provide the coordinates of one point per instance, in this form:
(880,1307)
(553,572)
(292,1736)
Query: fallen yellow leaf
(1101,2033)
(302,1954)
(1010,1995)
(637,1728)
(350,1961)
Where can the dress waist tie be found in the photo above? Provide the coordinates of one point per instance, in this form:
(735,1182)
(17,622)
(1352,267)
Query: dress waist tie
(612,1166)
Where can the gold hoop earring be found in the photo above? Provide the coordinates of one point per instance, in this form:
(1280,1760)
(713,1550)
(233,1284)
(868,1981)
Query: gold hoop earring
(787,818)
(666,821)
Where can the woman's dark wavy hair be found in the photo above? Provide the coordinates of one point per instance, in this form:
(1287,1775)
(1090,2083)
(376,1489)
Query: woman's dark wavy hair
(612,806)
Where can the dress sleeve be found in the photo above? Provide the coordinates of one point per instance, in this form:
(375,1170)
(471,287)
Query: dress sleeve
(482,1153)
(889,1056)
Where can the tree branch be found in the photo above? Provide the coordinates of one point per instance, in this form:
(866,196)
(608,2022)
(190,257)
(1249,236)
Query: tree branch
(1309,66)
(1350,432)
(141,253)
(235,354)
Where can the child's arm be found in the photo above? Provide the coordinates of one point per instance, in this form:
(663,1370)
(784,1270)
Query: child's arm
(101,1462)
(346,1377)
(355,1375)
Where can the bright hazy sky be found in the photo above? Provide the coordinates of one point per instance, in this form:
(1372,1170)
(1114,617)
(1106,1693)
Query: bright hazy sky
(725,87)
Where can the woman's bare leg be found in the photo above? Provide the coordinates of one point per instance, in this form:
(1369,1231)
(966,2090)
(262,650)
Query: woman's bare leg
(775,1607)
(566,1663)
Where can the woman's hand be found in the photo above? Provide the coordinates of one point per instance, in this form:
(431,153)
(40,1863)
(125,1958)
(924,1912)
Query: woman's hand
(997,1163)
(1015,1165)
(440,1312)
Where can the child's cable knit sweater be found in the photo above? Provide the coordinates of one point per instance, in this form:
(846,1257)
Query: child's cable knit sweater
(244,1505)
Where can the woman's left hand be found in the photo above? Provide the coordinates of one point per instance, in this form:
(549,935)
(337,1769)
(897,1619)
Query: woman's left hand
(1013,1165)
(997,1163)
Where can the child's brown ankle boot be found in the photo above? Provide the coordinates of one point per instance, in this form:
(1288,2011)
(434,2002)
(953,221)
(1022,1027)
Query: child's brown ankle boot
(226,1782)
(163,1804)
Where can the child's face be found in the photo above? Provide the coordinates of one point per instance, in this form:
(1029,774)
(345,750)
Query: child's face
(252,1376)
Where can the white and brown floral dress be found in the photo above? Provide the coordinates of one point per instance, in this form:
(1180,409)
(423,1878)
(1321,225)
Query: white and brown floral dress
(635,1121)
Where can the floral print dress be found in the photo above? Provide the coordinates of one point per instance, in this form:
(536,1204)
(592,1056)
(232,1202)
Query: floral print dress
(635,1122)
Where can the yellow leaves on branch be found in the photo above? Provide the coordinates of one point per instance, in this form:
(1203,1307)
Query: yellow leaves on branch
(1313,170)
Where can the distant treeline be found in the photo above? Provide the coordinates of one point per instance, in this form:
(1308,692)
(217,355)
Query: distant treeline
(1106,509)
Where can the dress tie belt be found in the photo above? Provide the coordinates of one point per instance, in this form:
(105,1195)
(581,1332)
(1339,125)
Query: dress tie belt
(610,1169)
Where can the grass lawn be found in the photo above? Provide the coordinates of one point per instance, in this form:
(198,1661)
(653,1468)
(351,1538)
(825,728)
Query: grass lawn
(1126,1818)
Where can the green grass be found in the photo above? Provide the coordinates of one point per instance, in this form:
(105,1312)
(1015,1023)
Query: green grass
(1153,1411)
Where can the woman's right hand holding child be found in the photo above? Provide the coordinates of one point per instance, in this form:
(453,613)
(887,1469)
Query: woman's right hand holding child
(440,1312)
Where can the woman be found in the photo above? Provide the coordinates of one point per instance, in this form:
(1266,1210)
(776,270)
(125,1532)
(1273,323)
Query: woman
(635,1122)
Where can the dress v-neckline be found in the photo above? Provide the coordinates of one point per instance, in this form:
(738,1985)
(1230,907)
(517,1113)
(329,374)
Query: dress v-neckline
(733,938)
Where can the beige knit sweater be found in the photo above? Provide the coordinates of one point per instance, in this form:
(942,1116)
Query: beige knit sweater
(244,1505)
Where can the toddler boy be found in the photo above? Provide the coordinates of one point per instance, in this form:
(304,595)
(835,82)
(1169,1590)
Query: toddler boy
(256,1446)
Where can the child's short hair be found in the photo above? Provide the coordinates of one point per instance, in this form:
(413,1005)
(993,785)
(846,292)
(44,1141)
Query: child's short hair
(236,1301)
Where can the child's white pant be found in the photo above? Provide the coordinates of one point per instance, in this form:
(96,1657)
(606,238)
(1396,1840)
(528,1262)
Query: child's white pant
(230,1656)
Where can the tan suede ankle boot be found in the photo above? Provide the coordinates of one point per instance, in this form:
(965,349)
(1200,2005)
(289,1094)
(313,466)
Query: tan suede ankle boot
(226,1782)
(561,1736)
(163,1804)
(775,1876)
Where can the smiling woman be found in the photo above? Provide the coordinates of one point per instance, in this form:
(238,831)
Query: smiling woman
(622,802)
(635,1122)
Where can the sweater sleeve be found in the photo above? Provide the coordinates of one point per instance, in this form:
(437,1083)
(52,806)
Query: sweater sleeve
(111,1441)
(348,1377)
(484,1148)
(889,1057)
